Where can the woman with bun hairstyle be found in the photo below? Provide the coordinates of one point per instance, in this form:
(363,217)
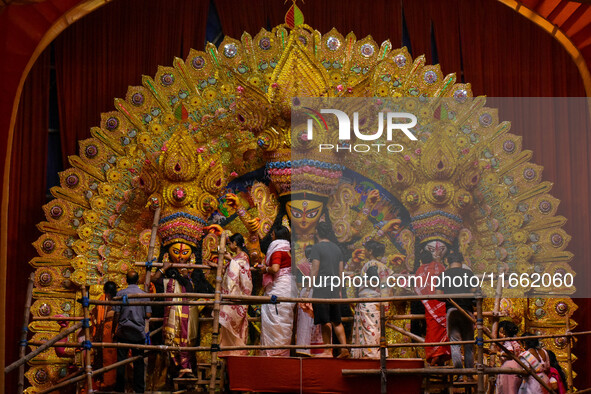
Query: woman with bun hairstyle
(237,280)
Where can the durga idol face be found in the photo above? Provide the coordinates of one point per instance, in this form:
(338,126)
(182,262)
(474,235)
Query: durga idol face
(304,215)
(179,253)
(438,250)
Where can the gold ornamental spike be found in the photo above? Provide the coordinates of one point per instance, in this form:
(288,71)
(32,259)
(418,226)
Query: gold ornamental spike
(297,74)
(523,157)
(448,82)
(475,106)
(385,49)
(543,187)
(560,257)
(149,83)
(181,69)
(249,52)
(417,66)
(502,129)
(47,227)
(49,262)
(553,222)
(76,161)
(68,195)
(129,114)
(99,134)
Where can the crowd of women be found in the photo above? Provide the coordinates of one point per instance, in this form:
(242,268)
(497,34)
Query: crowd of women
(284,323)
(529,350)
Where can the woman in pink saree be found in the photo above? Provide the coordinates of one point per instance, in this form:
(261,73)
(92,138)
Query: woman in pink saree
(506,383)
(237,280)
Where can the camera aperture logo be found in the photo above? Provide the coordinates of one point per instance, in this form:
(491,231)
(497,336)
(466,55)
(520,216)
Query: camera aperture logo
(395,123)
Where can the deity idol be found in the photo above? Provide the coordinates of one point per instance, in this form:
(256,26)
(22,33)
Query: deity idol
(187,188)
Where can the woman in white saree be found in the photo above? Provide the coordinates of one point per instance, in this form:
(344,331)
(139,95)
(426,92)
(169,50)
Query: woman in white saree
(277,318)
(366,328)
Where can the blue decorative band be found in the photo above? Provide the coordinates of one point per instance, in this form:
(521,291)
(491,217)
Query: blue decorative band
(184,215)
(436,213)
(305,162)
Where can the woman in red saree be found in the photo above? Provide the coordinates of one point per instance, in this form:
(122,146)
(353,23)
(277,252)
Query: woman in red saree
(431,258)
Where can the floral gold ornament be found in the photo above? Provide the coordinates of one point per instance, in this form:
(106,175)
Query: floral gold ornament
(189,183)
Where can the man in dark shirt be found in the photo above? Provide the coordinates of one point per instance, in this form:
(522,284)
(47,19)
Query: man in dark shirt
(457,280)
(327,261)
(130,322)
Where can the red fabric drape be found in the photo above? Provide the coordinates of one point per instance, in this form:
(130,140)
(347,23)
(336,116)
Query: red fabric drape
(21,29)
(239,16)
(443,17)
(27,195)
(100,56)
(506,55)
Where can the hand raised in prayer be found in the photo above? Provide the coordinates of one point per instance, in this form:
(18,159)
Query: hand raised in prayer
(373,196)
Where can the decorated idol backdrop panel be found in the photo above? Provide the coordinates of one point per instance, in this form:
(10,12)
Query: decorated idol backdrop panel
(209,141)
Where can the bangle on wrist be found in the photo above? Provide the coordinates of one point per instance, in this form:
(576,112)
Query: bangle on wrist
(161,271)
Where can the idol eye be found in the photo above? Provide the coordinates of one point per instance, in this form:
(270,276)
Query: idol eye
(312,214)
(185,252)
(176,251)
(296,214)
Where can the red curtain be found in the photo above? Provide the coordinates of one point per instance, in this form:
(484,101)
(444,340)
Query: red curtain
(22,27)
(27,195)
(442,18)
(506,55)
(100,56)
(239,16)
